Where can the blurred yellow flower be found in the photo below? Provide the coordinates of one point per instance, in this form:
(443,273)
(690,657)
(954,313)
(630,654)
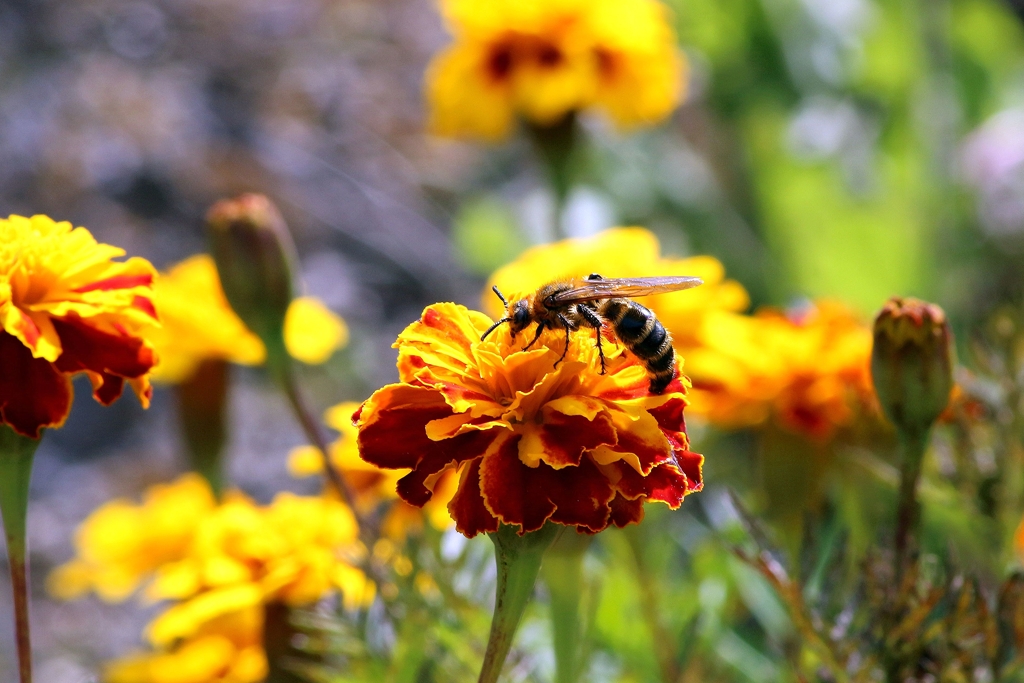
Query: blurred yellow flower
(371,484)
(808,371)
(226,649)
(121,544)
(545,60)
(198,324)
(624,252)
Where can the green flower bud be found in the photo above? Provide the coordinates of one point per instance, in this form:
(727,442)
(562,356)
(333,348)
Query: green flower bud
(911,362)
(254,253)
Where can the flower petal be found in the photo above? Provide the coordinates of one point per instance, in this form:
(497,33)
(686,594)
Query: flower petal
(467,505)
(33,394)
(109,358)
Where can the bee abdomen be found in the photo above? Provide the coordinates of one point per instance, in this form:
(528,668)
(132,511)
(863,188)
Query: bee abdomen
(645,336)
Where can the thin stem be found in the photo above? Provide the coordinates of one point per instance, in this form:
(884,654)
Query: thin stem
(557,145)
(518,559)
(316,436)
(908,517)
(16,454)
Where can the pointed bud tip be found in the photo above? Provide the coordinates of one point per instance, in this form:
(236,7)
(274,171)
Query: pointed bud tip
(911,362)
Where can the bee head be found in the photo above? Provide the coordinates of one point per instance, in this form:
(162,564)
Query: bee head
(519,317)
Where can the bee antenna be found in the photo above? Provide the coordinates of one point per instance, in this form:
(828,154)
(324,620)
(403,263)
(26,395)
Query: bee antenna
(500,295)
(494,326)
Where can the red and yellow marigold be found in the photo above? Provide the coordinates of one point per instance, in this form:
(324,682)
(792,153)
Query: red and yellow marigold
(67,307)
(533,439)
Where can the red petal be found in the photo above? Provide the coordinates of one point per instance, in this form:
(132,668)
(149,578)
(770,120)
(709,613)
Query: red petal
(144,304)
(529,496)
(33,394)
(670,415)
(665,483)
(626,511)
(107,357)
(467,506)
(118,282)
(435,456)
(564,438)
(692,465)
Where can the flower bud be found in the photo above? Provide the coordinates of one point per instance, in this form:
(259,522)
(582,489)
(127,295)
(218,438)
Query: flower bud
(911,362)
(254,252)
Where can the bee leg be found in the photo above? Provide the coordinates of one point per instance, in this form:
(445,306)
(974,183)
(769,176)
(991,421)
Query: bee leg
(568,328)
(594,320)
(540,328)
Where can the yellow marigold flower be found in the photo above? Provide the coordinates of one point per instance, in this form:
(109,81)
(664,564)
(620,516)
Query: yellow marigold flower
(808,371)
(624,252)
(198,324)
(121,544)
(226,649)
(534,438)
(66,307)
(371,484)
(544,60)
(294,551)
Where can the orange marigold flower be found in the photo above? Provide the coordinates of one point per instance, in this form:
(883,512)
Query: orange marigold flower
(372,485)
(808,370)
(533,441)
(199,324)
(66,307)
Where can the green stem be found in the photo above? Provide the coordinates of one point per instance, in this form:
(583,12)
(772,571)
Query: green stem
(563,575)
(650,603)
(16,453)
(278,633)
(557,147)
(908,516)
(201,402)
(518,559)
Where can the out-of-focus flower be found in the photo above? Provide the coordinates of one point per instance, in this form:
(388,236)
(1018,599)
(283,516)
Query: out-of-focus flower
(120,545)
(533,441)
(183,545)
(808,371)
(294,551)
(66,307)
(912,362)
(545,60)
(226,649)
(199,324)
(371,484)
(625,252)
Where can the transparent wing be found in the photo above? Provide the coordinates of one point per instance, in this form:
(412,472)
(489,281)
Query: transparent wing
(591,290)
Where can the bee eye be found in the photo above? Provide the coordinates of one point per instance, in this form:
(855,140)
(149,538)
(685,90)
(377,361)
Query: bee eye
(521,317)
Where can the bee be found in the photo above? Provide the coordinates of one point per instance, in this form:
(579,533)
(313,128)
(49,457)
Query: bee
(594,301)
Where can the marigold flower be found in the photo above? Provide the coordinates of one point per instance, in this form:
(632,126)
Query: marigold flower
(226,649)
(371,484)
(625,252)
(120,545)
(66,307)
(808,371)
(544,60)
(199,324)
(533,441)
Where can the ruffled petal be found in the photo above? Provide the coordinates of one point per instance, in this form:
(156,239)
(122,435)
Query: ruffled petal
(33,394)
(467,505)
(108,358)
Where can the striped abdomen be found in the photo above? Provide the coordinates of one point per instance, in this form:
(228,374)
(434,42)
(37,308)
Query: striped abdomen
(641,332)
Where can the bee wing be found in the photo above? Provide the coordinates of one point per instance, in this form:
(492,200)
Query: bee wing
(591,290)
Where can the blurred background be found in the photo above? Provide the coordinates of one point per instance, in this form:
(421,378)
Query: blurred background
(827,148)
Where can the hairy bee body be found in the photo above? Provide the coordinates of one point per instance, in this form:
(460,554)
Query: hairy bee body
(643,334)
(594,301)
